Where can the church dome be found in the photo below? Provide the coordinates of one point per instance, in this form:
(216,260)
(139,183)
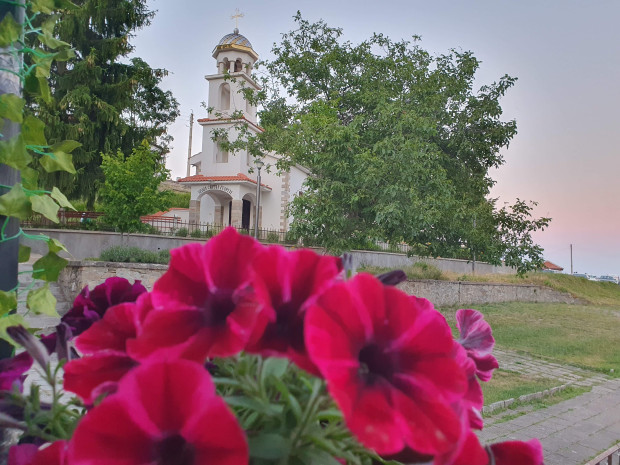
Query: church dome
(235,41)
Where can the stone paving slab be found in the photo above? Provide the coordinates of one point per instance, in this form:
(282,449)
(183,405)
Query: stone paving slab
(572,431)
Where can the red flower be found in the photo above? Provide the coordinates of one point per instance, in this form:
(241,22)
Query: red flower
(90,306)
(28,454)
(12,371)
(163,413)
(477,339)
(105,343)
(205,304)
(478,362)
(389,364)
(290,280)
(504,453)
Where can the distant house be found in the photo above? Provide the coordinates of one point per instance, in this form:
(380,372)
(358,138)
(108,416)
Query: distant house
(551,267)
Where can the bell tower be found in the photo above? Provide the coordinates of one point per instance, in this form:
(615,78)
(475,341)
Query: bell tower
(234,59)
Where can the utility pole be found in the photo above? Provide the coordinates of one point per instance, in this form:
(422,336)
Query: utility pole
(571,259)
(9,84)
(189,149)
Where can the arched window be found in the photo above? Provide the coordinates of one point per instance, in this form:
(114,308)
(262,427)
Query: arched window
(224,96)
(238,65)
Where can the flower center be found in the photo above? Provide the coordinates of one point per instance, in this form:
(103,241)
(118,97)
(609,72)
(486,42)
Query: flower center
(217,306)
(374,364)
(174,450)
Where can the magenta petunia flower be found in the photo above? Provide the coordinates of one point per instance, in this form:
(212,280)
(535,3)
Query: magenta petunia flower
(477,339)
(12,371)
(29,454)
(477,360)
(104,345)
(388,359)
(501,453)
(291,281)
(164,413)
(90,306)
(205,305)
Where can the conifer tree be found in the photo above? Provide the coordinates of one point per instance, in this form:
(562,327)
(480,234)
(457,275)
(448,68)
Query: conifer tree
(101,98)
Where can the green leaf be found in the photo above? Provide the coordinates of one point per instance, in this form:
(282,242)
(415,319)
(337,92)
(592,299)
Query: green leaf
(14,154)
(44,89)
(312,456)
(10,30)
(41,301)
(30,178)
(11,107)
(15,203)
(48,267)
(8,302)
(33,130)
(254,405)
(61,199)
(58,161)
(66,146)
(43,6)
(6,322)
(52,42)
(268,446)
(45,205)
(64,54)
(65,5)
(273,366)
(24,253)
(55,246)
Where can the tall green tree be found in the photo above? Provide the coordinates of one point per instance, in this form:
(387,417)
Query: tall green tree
(102,98)
(130,187)
(399,143)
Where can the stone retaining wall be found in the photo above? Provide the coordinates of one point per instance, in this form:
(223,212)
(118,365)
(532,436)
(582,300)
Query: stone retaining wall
(89,244)
(442,293)
(447,293)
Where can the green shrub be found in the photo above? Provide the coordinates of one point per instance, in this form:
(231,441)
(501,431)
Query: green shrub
(181,232)
(124,254)
(196,233)
(422,270)
(209,233)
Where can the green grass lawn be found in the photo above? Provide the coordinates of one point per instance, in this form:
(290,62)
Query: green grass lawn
(507,384)
(582,335)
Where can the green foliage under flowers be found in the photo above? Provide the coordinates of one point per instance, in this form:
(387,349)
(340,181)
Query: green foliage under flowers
(288,415)
(30,147)
(124,254)
(130,187)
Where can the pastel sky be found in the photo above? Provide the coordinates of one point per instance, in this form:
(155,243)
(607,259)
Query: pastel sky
(565,54)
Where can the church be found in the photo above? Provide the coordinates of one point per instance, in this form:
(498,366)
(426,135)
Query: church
(224,186)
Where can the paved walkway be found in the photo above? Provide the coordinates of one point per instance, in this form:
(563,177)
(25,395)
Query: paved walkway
(571,432)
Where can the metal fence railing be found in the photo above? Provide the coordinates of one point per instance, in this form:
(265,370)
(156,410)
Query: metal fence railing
(175,226)
(610,457)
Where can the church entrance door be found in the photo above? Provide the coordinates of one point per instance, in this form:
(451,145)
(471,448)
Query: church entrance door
(245,214)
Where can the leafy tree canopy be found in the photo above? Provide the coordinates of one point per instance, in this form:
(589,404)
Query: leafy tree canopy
(399,144)
(101,98)
(130,187)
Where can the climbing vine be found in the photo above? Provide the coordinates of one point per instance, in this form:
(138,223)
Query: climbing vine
(32,36)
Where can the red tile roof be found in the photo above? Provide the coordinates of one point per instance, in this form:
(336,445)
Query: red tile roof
(551,266)
(239,178)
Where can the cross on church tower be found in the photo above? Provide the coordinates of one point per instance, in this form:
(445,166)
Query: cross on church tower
(236,17)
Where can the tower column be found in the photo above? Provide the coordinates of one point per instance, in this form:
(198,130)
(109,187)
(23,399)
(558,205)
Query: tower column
(236,214)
